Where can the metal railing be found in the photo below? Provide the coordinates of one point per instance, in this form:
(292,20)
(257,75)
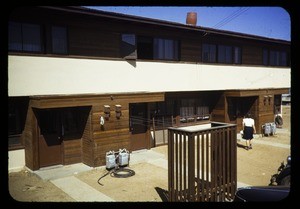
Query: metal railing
(202,163)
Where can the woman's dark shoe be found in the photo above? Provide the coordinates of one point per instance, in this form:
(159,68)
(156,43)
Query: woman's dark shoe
(246,148)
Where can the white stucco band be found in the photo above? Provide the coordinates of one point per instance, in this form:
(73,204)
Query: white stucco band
(30,75)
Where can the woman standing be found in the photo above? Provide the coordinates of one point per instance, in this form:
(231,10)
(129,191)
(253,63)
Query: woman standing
(249,130)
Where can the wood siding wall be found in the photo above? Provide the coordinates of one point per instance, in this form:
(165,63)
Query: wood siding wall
(87,143)
(101,37)
(30,137)
(96,140)
(72,151)
(218,113)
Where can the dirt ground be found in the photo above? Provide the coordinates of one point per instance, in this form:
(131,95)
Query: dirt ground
(150,182)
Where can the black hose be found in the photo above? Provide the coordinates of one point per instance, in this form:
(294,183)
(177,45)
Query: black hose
(118,173)
(122,173)
(103,177)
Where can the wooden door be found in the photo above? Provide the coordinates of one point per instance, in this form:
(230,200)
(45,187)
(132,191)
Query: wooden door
(139,126)
(50,138)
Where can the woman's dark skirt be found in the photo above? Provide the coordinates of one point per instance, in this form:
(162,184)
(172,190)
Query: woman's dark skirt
(248,133)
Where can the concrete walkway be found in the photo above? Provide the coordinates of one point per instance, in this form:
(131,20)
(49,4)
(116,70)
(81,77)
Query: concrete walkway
(80,191)
(270,143)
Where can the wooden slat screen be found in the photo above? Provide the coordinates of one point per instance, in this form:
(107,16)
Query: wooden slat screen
(202,164)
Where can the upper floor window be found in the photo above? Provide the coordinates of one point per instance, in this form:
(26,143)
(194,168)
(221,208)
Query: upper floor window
(165,49)
(209,53)
(144,47)
(265,57)
(24,37)
(274,58)
(128,46)
(237,55)
(157,48)
(59,40)
(224,54)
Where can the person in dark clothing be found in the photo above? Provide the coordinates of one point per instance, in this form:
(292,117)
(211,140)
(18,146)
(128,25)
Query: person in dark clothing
(249,130)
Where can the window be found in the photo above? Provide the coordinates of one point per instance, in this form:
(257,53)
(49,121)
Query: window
(274,58)
(165,49)
(128,46)
(145,47)
(283,59)
(224,54)
(265,57)
(66,122)
(17,111)
(59,40)
(237,55)
(24,37)
(209,53)
(157,48)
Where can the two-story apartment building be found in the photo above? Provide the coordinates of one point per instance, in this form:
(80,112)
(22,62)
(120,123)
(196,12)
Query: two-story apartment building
(82,82)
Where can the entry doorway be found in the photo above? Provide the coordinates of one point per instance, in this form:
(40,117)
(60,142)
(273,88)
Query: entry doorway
(56,126)
(138,124)
(238,107)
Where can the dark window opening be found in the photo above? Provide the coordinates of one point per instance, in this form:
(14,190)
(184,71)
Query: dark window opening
(224,54)
(145,47)
(238,107)
(59,40)
(17,112)
(265,57)
(237,55)
(157,48)
(138,122)
(165,49)
(128,46)
(209,53)
(212,53)
(67,123)
(274,58)
(24,37)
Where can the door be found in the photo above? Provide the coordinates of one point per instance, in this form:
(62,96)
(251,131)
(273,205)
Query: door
(50,137)
(238,107)
(139,126)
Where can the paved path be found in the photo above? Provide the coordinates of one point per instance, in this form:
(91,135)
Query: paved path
(79,190)
(270,143)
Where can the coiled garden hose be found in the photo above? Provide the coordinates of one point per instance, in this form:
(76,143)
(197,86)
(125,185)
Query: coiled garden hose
(118,173)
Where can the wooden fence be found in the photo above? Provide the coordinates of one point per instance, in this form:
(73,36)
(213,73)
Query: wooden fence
(202,163)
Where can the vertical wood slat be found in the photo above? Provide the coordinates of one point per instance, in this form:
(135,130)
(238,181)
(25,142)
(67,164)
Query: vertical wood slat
(170,166)
(184,167)
(202,167)
(198,166)
(180,169)
(223,163)
(202,164)
(212,157)
(191,167)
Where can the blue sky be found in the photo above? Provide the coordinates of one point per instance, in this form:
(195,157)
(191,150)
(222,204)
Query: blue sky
(271,22)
